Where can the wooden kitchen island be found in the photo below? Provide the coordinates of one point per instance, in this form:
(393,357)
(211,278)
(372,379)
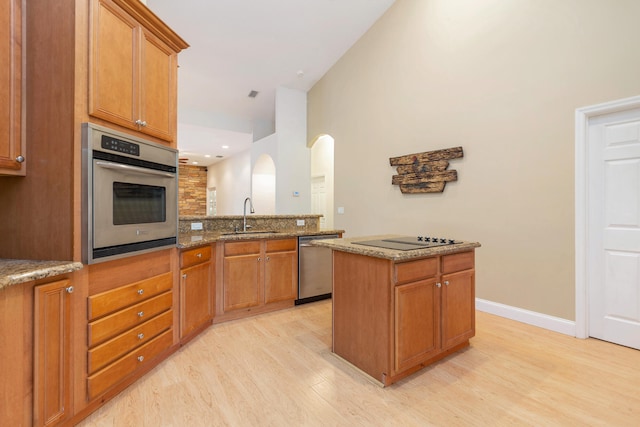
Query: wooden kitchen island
(397,311)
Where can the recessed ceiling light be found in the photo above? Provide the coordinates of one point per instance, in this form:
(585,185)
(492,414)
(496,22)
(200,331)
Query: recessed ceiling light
(195,163)
(207,155)
(225,146)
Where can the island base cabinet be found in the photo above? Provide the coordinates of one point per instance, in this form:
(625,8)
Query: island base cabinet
(52,353)
(390,319)
(417,323)
(458,308)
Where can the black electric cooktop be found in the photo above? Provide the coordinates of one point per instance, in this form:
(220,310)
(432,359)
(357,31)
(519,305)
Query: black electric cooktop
(408,243)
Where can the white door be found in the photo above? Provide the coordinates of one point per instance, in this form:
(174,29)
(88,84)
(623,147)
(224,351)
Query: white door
(614,227)
(319,199)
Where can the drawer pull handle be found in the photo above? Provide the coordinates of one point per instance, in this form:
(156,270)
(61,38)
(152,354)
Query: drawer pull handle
(140,291)
(140,336)
(140,313)
(69,289)
(140,358)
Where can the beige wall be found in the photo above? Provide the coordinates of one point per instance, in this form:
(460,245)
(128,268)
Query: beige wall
(502,79)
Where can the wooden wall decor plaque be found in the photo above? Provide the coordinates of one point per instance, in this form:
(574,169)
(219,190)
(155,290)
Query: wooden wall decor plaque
(425,172)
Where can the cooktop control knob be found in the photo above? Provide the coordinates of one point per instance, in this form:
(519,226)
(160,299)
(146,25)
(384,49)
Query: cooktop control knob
(451,241)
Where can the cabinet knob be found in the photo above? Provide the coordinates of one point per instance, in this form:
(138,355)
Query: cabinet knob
(258,259)
(446,282)
(439,285)
(140,358)
(143,123)
(140,336)
(184,276)
(69,289)
(140,291)
(138,122)
(199,255)
(20,159)
(140,313)
(268,259)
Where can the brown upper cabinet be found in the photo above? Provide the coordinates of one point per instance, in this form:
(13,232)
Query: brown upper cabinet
(133,71)
(12,146)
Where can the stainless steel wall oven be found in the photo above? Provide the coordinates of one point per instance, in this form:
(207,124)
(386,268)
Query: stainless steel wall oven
(130,203)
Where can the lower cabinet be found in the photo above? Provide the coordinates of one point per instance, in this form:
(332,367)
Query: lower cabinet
(52,353)
(392,318)
(417,323)
(433,312)
(258,275)
(128,327)
(196,290)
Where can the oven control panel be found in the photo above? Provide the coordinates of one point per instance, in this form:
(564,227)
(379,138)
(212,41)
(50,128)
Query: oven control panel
(114,144)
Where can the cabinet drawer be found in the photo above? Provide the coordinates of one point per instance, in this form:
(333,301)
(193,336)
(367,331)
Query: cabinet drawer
(195,256)
(457,262)
(282,245)
(106,353)
(242,248)
(116,323)
(117,371)
(416,270)
(116,299)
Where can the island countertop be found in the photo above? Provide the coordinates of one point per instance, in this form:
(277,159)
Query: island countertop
(16,271)
(349,245)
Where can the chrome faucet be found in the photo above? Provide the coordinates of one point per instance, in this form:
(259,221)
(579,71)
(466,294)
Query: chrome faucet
(244,214)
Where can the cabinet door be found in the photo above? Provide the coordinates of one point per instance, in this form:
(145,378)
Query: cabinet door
(52,353)
(241,281)
(11,141)
(113,85)
(158,87)
(280,276)
(458,308)
(195,298)
(417,323)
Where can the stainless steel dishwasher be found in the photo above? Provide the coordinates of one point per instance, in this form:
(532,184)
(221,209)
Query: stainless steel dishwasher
(315,269)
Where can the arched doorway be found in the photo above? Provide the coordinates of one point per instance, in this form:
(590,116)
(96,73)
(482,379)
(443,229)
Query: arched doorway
(322,152)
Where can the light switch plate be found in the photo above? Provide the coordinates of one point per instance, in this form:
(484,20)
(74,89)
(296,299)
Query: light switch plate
(300,222)
(196,226)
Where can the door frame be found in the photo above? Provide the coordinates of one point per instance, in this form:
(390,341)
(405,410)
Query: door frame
(582,120)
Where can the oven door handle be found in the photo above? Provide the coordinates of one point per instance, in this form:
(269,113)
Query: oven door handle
(134,169)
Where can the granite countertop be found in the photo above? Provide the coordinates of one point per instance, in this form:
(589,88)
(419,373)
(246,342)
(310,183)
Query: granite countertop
(16,271)
(347,245)
(193,239)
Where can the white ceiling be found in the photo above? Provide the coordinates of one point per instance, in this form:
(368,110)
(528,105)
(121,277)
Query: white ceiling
(242,45)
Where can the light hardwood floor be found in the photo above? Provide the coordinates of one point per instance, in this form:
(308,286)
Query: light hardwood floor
(277,369)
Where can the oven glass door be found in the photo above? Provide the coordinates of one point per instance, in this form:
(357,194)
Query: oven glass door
(132,204)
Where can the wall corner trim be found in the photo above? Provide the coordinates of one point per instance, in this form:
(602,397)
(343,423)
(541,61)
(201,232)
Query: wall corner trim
(545,321)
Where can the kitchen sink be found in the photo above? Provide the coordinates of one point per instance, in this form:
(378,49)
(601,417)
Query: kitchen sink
(248,232)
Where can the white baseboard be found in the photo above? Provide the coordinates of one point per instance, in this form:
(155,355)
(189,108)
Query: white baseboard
(545,321)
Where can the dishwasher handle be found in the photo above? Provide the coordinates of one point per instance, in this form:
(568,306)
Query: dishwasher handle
(302,240)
